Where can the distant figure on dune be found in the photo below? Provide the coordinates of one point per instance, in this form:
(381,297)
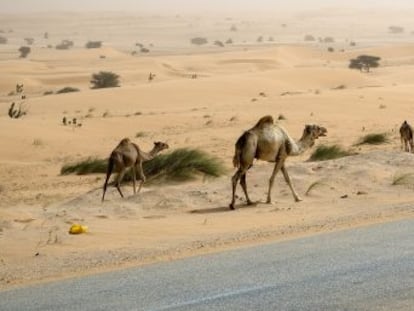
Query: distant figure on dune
(406,135)
(269,142)
(128,155)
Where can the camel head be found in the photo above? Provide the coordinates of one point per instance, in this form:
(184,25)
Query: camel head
(159,146)
(314,131)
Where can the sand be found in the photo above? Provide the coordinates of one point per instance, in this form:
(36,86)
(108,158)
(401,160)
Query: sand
(302,81)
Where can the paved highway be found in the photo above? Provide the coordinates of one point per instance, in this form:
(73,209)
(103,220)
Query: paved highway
(370,268)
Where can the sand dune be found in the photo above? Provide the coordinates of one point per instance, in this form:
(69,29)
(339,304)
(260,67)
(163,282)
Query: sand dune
(234,86)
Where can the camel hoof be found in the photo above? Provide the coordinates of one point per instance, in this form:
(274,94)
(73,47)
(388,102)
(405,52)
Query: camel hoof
(231,205)
(298,199)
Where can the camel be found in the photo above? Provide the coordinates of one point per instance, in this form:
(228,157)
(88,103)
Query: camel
(129,155)
(269,142)
(406,134)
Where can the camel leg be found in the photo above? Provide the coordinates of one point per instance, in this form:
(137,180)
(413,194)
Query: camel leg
(244,186)
(288,181)
(411,145)
(141,175)
(134,179)
(234,181)
(118,181)
(276,169)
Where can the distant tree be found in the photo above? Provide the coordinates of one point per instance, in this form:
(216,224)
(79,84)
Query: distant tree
(270,39)
(104,79)
(3,40)
(364,62)
(144,50)
(352,43)
(259,39)
(331,49)
(199,41)
(93,44)
(329,40)
(24,51)
(46,35)
(229,41)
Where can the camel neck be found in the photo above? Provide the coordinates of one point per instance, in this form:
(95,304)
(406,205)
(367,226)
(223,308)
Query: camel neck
(303,144)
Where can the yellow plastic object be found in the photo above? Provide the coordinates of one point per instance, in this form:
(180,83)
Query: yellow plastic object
(78,229)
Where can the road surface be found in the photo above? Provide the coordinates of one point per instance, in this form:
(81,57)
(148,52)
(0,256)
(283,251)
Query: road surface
(369,268)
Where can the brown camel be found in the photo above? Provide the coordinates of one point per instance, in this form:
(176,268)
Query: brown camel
(269,142)
(406,134)
(129,155)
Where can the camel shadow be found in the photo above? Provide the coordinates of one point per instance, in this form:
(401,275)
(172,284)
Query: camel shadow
(221,209)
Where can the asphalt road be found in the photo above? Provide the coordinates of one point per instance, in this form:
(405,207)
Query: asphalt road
(370,268)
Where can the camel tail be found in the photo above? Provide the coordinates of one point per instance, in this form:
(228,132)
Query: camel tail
(108,174)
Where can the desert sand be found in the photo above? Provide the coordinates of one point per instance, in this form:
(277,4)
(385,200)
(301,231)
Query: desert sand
(300,80)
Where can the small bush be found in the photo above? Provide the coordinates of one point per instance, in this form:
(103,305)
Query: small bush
(29,41)
(233,28)
(178,166)
(309,38)
(93,44)
(373,139)
(144,50)
(229,41)
(65,45)
(218,43)
(331,49)
(329,40)
(45,93)
(324,152)
(104,79)
(199,41)
(3,40)
(67,89)
(259,39)
(24,51)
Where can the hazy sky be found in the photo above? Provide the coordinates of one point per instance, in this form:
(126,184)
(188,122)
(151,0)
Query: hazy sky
(177,6)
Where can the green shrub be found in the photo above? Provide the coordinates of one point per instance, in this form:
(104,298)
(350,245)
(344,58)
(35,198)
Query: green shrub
(324,152)
(104,79)
(403,179)
(93,44)
(67,89)
(177,166)
(373,139)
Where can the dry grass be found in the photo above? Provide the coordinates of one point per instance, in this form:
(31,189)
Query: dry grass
(316,184)
(324,152)
(406,179)
(373,139)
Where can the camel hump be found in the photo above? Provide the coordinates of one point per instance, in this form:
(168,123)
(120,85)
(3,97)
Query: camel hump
(264,121)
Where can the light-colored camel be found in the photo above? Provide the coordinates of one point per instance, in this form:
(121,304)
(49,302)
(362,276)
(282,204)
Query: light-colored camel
(406,134)
(269,142)
(129,155)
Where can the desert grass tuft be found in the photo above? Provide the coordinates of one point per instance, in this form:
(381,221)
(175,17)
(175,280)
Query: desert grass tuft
(177,166)
(67,89)
(85,167)
(403,179)
(324,152)
(314,185)
(373,139)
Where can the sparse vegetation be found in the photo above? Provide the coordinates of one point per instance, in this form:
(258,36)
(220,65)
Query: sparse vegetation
(331,49)
(229,41)
(396,29)
(93,44)
(218,43)
(3,40)
(364,62)
(324,152)
(65,45)
(104,79)
(406,179)
(199,41)
(233,28)
(329,40)
(314,185)
(29,41)
(144,50)
(47,93)
(259,39)
(67,89)
(140,134)
(24,51)
(178,166)
(373,139)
